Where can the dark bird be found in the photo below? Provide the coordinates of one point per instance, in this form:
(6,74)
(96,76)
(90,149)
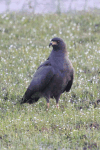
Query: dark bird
(53,77)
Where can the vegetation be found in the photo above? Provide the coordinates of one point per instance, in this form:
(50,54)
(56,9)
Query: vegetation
(23,47)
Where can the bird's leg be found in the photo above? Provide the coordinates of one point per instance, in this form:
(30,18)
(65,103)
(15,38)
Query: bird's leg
(48,105)
(57,99)
(47,99)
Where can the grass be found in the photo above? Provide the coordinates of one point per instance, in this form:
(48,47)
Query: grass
(23,47)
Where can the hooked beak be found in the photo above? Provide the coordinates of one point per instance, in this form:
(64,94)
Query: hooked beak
(50,44)
(53,43)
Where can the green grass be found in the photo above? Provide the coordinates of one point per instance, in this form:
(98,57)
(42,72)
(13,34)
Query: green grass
(24,40)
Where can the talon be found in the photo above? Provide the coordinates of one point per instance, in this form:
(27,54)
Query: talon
(57,105)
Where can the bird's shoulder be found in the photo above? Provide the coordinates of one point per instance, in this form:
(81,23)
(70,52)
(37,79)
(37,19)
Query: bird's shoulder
(68,63)
(46,63)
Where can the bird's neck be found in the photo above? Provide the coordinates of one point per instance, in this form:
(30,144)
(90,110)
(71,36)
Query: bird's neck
(59,52)
(58,58)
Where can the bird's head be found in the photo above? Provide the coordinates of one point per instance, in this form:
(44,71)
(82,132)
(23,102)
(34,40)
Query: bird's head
(57,44)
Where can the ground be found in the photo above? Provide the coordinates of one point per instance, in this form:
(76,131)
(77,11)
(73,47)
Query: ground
(23,46)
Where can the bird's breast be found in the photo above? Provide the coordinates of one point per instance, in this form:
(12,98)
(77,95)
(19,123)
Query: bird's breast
(58,60)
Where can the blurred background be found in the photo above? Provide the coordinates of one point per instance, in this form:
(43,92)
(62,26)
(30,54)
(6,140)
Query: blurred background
(26,29)
(48,6)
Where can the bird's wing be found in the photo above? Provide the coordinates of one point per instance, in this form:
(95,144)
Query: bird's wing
(70,82)
(46,63)
(41,78)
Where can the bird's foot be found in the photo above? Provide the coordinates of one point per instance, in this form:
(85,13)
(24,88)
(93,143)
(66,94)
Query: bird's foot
(57,106)
(47,106)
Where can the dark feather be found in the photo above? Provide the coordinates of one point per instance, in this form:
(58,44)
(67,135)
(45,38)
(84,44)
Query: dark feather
(53,77)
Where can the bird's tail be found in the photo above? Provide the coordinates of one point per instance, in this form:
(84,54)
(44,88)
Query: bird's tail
(23,100)
(27,97)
